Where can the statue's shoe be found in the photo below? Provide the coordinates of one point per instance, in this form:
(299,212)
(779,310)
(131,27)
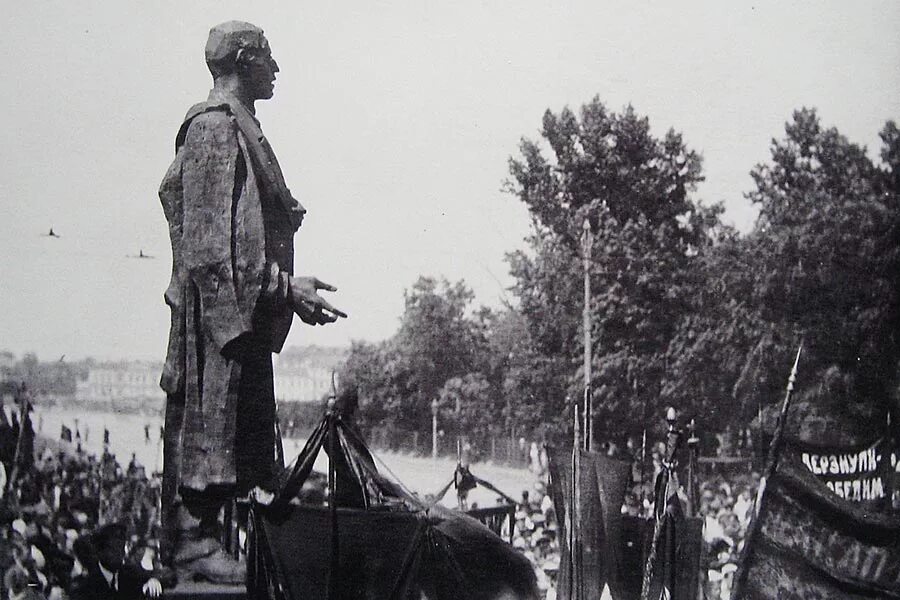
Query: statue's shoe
(205,560)
(189,550)
(166,576)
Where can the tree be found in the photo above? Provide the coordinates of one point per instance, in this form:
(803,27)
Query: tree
(438,339)
(634,190)
(822,265)
(366,368)
(827,255)
(470,409)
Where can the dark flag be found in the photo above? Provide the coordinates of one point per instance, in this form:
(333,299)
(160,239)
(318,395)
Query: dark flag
(27,435)
(659,571)
(22,458)
(65,434)
(675,567)
(603,483)
(811,543)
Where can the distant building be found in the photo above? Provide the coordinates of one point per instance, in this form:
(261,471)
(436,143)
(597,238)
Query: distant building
(124,385)
(303,374)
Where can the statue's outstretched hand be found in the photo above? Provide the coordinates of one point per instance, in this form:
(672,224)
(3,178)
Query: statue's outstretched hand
(309,305)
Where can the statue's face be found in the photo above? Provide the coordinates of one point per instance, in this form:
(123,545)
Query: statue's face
(259,72)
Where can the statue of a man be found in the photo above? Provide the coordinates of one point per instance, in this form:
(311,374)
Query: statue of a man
(233,296)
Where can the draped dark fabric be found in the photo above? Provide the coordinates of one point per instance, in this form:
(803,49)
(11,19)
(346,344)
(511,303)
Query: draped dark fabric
(464,560)
(378,553)
(676,573)
(811,543)
(388,545)
(602,482)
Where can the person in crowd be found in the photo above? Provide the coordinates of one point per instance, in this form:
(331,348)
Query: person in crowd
(110,577)
(18,586)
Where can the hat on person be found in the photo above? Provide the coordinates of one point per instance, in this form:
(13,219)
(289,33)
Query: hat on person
(109,534)
(38,557)
(19,527)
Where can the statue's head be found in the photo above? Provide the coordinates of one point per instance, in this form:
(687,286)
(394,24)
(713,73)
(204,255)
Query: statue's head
(241,49)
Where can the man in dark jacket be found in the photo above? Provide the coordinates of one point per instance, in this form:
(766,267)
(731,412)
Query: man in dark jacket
(233,296)
(109,577)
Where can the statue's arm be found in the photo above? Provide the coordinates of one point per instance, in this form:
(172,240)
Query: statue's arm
(212,184)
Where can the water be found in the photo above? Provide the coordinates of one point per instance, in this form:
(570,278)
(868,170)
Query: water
(419,474)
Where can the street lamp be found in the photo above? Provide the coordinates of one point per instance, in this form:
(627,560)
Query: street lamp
(587,241)
(434,428)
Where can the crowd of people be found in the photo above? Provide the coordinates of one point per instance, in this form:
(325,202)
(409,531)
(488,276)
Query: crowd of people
(75,525)
(536,536)
(726,505)
(724,501)
(74,521)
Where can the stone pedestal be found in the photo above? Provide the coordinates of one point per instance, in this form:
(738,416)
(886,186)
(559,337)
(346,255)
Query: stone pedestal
(205,591)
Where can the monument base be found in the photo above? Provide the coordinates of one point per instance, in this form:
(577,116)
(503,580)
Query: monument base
(205,591)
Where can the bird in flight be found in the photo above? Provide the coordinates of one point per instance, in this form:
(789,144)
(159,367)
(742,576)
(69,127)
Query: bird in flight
(52,234)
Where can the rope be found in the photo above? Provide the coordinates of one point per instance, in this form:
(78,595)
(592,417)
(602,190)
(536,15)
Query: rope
(411,496)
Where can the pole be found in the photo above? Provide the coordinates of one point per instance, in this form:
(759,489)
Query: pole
(643,443)
(673,439)
(777,437)
(434,429)
(574,537)
(694,448)
(333,574)
(587,243)
(279,445)
(771,465)
(758,454)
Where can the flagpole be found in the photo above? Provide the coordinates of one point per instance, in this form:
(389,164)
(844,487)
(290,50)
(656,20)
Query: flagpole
(574,541)
(587,241)
(891,480)
(673,439)
(693,452)
(333,574)
(643,444)
(771,465)
(775,447)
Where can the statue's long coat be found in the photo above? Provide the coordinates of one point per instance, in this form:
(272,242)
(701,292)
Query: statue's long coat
(231,224)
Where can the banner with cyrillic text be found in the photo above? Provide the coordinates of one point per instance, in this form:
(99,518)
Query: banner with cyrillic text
(862,473)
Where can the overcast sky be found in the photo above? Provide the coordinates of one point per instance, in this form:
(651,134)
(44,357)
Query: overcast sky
(393,122)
